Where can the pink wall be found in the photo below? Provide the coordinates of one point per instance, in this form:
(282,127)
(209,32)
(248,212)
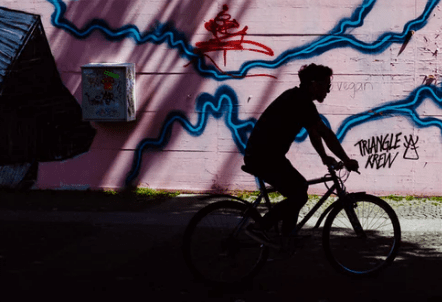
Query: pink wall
(371,81)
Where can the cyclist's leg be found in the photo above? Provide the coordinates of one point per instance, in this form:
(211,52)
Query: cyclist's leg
(289,223)
(290,183)
(287,210)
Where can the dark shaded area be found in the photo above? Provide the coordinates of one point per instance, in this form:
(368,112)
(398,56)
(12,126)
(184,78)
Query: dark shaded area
(40,119)
(79,262)
(75,200)
(44,261)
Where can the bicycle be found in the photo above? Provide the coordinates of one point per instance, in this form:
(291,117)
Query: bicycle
(360,237)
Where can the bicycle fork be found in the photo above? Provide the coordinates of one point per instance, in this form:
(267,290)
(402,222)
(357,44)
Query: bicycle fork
(349,207)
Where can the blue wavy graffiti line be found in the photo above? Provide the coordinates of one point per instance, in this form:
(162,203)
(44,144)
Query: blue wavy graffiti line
(406,107)
(223,103)
(336,38)
(160,34)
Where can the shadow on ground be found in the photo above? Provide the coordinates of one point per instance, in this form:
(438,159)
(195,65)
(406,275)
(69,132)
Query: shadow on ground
(132,262)
(75,200)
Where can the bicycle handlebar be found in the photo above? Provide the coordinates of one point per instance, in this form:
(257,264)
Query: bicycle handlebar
(340,165)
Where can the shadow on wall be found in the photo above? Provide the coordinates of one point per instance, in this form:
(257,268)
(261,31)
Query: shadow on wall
(74,52)
(40,119)
(79,41)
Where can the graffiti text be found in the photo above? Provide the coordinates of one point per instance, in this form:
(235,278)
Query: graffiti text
(111,74)
(379,149)
(352,86)
(225,40)
(411,148)
(379,144)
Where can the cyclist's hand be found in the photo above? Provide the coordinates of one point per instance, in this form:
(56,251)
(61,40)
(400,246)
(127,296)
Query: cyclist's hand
(351,165)
(329,161)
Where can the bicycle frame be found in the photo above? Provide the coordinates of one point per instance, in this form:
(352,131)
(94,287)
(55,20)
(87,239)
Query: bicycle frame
(264,193)
(340,190)
(319,204)
(336,186)
(343,197)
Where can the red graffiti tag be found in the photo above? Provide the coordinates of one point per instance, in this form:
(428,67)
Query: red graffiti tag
(107,82)
(225,40)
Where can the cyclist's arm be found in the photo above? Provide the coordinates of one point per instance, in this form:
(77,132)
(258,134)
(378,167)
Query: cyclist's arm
(319,131)
(315,139)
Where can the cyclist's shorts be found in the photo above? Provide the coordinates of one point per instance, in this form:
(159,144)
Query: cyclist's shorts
(281,174)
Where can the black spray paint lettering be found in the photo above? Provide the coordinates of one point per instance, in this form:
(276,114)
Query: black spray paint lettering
(379,144)
(379,149)
(382,145)
(354,86)
(380,160)
(411,148)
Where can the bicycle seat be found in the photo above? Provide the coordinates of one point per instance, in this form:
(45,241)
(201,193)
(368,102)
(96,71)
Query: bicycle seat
(248,170)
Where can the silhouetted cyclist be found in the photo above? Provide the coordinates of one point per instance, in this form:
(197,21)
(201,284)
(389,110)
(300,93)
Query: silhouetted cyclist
(271,138)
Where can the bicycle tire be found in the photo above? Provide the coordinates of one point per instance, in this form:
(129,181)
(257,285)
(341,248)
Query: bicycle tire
(356,256)
(202,236)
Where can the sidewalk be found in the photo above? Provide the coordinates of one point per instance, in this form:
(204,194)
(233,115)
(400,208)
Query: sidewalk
(172,212)
(135,255)
(179,210)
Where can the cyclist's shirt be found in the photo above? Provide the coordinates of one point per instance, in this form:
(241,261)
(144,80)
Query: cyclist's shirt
(279,124)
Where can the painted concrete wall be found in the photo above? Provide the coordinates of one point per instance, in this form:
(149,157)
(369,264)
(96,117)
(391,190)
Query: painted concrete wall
(195,112)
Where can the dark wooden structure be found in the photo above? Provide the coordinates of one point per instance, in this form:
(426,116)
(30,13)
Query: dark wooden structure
(40,120)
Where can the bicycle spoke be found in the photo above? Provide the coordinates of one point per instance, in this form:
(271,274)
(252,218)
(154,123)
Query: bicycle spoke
(372,226)
(357,255)
(385,223)
(369,215)
(214,251)
(347,225)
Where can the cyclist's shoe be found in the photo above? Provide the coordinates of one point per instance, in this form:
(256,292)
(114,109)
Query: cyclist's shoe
(260,236)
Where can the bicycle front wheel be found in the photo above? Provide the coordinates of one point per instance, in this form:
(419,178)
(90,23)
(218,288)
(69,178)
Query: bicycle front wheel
(368,252)
(215,247)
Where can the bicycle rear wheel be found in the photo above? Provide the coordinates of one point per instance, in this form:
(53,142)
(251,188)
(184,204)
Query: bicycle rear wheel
(216,250)
(362,255)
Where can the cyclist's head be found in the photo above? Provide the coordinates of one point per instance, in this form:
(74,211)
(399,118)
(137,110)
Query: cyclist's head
(313,72)
(316,79)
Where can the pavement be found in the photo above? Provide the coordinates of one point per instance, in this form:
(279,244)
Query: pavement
(52,255)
